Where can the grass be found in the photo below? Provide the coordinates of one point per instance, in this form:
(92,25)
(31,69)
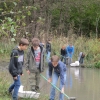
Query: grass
(5,81)
(4,84)
(5,50)
(90,46)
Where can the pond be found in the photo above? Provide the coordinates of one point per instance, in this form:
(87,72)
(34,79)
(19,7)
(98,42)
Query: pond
(82,83)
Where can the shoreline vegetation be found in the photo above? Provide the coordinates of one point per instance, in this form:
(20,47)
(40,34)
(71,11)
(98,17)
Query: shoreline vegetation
(62,21)
(89,46)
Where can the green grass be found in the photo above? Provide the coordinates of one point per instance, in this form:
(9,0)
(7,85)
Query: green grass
(4,84)
(5,81)
(5,50)
(90,46)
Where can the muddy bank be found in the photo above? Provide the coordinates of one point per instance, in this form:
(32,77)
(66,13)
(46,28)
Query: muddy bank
(4,63)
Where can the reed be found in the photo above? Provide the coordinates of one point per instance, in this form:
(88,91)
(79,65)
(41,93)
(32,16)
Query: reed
(89,46)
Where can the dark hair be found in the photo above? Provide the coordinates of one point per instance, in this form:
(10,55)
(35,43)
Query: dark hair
(23,41)
(83,55)
(35,42)
(54,58)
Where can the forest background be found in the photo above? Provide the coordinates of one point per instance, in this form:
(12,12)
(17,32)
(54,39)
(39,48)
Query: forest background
(62,21)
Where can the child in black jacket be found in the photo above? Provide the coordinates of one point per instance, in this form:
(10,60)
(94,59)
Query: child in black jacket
(63,54)
(48,50)
(15,66)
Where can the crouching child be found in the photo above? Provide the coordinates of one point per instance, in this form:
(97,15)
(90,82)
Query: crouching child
(59,71)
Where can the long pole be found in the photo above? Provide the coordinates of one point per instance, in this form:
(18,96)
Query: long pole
(69,98)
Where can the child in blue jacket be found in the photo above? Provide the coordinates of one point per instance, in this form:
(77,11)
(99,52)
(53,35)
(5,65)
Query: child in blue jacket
(70,52)
(59,71)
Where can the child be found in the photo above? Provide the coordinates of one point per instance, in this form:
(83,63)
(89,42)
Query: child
(63,54)
(70,52)
(48,50)
(81,57)
(59,71)
(35,64)
(15,66)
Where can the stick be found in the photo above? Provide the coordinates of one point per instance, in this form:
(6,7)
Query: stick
(69,98)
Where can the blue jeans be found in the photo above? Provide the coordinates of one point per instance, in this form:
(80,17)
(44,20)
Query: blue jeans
(63,58)
(15,87)
(48,56)
(54,82)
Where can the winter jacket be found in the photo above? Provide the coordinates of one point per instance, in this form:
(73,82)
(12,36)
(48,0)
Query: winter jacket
(60,69)
(31,63)
(63,52)
(48,47)
(16,62)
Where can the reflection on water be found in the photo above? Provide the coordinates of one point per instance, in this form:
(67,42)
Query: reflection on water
(68,83)
(82,83)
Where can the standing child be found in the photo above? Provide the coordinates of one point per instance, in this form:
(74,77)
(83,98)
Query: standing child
(48,50)
(70,52)
(35,64)
(15,66)
(63,54)
(59,71)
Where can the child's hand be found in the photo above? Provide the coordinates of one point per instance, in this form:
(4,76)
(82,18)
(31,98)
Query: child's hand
(15,78)
(62,90)
(22,74)
(28,71)
(49,80)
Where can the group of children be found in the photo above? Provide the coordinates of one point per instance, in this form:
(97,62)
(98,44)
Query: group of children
(35,65)
(67,53)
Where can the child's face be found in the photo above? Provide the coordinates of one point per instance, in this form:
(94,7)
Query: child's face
(35,48)
(24,47)
(49,41)
(54,63)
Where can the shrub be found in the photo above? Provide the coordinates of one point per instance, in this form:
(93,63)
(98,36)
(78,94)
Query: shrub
(97,64)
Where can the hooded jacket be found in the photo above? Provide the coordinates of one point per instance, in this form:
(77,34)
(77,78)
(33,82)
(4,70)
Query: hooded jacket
(70,51)
(30,61)
(16,62)
(60,69)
